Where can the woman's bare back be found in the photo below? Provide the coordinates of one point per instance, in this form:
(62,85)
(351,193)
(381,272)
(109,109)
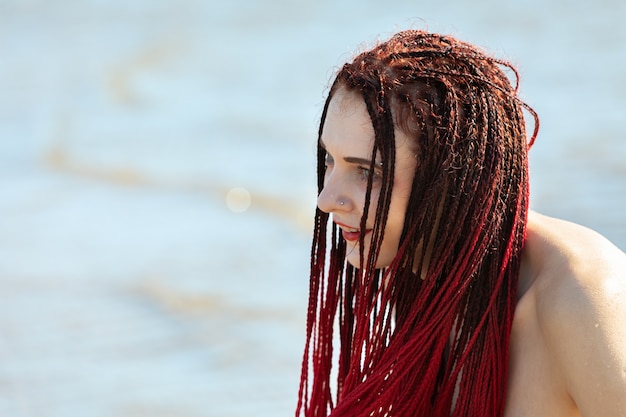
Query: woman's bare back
(568,342)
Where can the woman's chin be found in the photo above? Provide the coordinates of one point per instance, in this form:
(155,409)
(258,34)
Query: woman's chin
(355,261)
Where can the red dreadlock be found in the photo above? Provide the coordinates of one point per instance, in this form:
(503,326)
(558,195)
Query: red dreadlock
(433,340)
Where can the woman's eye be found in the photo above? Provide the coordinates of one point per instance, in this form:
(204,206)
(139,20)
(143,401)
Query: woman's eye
(365,172)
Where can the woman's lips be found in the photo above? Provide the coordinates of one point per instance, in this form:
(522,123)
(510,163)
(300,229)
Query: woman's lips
(350,236)
(350,233)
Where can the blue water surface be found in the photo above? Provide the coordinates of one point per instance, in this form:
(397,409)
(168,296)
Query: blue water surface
(128,285)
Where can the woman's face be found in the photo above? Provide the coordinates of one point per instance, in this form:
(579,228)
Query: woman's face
(348,138)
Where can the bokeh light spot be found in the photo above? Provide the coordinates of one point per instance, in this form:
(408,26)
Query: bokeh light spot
(238,199)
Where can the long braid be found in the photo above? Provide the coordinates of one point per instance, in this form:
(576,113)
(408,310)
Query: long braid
(428,335)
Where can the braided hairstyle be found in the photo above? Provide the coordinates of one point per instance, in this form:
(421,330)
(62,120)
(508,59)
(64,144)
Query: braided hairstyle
(427,335)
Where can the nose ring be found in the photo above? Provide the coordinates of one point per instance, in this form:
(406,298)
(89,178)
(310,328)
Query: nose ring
(341,203)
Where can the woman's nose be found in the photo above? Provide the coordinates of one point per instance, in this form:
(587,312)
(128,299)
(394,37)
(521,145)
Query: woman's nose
(332,198)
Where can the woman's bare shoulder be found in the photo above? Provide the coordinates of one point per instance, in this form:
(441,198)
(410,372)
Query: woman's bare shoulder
(579,287)
(572,261)
(575,269)
(568,247)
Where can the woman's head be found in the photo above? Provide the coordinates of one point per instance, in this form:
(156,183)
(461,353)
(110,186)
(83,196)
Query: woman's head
(347,141)
(441,111)
(422,162)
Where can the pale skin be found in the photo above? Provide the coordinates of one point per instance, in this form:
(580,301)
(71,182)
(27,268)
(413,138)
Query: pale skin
(348,138)
(568,342)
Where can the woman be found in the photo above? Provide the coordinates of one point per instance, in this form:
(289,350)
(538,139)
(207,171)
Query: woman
(449,297)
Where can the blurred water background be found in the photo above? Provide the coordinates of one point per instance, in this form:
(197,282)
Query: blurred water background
(157,184)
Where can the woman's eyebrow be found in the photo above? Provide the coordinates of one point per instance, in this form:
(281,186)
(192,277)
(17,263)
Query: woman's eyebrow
(352,159)
(355,160)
